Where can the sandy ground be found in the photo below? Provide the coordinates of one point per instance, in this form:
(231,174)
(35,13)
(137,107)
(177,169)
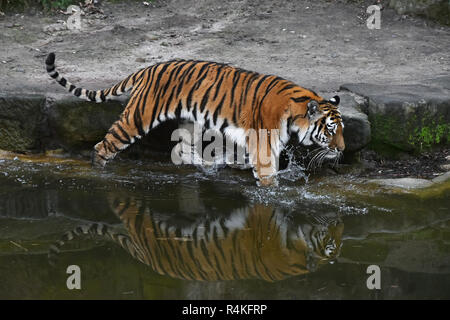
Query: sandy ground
(317,44)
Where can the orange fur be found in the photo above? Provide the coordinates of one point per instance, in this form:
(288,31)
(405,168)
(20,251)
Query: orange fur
(213,94)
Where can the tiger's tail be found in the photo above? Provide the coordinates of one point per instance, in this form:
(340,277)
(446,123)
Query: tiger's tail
(91,95)
(96,229)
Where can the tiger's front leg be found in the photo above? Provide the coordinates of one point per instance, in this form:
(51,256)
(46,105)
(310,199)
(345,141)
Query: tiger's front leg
(264,157)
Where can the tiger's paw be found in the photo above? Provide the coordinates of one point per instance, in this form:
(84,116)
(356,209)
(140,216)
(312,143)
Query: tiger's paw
(271,181)
(97,160)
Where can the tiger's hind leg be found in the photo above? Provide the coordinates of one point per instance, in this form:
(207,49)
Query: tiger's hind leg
(122,133)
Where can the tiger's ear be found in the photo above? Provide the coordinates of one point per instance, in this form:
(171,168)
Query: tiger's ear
(335,100)
(313,106)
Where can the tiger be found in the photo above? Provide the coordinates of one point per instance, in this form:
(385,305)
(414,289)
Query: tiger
(220,97)
(256,242)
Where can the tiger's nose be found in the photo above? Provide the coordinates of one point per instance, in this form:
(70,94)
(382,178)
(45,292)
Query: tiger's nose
(337,144)
(338,140)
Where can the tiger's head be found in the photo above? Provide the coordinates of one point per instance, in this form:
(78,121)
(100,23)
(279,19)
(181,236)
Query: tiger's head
(323,237)
(320,124)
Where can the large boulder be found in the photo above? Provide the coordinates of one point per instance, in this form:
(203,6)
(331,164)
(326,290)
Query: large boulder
(406,117)
(21,121)
(77,124)
(436,10)
(356,123)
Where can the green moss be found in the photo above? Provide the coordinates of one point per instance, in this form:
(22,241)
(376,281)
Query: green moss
(431,132)
(47,5)
(20,5)
(56,4)
(419,132)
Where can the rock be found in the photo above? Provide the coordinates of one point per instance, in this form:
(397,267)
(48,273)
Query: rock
(77,124)
(404,183)
(442,178)
(356,124)
(406,117)
(21,121)
(435,10)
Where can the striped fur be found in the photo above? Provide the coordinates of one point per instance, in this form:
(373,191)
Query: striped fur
(217,96)
(251,243)
(93,229)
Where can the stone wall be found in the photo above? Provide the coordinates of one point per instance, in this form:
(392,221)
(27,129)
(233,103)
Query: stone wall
(435,10)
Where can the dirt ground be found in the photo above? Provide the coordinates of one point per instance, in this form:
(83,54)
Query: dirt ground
(317,44)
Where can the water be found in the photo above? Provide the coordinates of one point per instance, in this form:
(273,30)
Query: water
(182,233)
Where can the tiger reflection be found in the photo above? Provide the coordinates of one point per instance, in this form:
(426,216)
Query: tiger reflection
(256,242)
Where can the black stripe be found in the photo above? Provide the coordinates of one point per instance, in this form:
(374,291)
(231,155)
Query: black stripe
(125,134)
(219,269)
(224,228)
(249,84)
(224,125)
(205,99)
(219,85)
(169,101)
(106,146)
(207,122)
(62,82)
(189,98)
(256,105)
(287,87)
(77,92)
(175,68)
(116,135)
(113,146)
(260,82)
(194,236)
(190,74)
(55,75)
(91,95)
(50,58)
(145,91)
(183,75)
(207,225)
(236,77)
(242,94)
(218,108)
(300,99)
(202,74)
(155,88)
(194,258)
(102,96)
(272,84)
(159,76)
(102,157)
(114,89)
(124,83)
(194,111)
(173,74)
(235,112)
(138,122)
(71,88)
(203,68)
(205,253)
(178,110)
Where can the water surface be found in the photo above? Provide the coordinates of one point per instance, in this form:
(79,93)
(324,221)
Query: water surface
(181,233)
